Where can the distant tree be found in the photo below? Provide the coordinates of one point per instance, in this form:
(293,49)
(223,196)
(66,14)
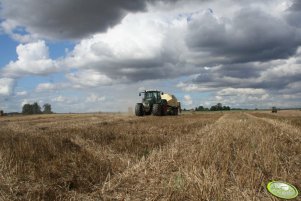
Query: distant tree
(213,108)
(47,108)
(226,108)
(200,108)
(36,108)
(236,109)
(31,109)
(27,109)
(219,106)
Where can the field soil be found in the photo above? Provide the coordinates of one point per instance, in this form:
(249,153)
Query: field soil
(200,156)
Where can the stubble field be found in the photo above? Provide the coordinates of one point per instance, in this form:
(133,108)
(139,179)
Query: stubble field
(202,156)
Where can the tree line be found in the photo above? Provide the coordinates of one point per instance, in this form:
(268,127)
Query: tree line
(35,108)
(217,107)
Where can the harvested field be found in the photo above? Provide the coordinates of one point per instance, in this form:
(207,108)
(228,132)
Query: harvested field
(201,156)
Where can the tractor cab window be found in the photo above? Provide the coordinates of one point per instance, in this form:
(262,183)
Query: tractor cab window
(155,95)
(152,95)
(148,95)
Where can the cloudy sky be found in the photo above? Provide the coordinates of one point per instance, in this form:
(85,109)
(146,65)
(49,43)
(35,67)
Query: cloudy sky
(84,56)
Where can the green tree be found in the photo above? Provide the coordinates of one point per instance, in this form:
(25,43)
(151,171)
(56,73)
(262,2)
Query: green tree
(226,108)
(219,107)
(27,109)
(214,108)
(200,108)
(36,108)
(47,108)
(31,109)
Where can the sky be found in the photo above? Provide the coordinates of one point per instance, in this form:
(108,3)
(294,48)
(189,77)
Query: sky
(91,56)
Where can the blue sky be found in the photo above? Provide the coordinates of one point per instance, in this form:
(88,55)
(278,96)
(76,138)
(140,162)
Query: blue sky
(8,50)
(97,58)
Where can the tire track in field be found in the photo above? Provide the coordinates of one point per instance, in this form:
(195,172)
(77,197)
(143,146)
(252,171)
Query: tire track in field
(231,159)
(162,158)
(283,126)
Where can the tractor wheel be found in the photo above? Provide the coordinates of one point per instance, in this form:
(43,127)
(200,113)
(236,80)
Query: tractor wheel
(176,111)
(164,109)
(139,111)
(157,110)
(149,112)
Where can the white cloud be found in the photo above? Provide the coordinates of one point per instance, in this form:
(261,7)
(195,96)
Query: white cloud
(46,87)
(191,87)
(11,27)
(60,99)
(144,46)
(88,78)
(167,44)
(24,101)
(241,91)
(21,93)
(94,98)
(219,98)
(6,86)
(243,97)
(188,100)
(139,36)
(33,59)
(289,67)
(52,86)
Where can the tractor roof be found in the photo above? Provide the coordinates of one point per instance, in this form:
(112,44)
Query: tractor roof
(152,90)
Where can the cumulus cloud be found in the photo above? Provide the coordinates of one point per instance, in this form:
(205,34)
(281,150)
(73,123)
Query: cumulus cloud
(272,75)
(21,93)
(148,46)
(11,28)
(6,86)
(88,78)
(188,100)
(68,19)
(241,91)
(51,86)
(95,98)
(226,47)
(33,59)
(60,99)
(138,49)
(192,87)
(293,14)
(24,101)
(250,35)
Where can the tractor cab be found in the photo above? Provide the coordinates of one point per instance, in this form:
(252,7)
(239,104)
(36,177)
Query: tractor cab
(151,96)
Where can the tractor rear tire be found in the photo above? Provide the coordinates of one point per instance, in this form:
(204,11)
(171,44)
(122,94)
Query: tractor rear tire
(176,111)
(164,107)
(139,111)
(157,110)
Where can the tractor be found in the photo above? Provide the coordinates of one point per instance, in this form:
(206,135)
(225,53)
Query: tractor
(157,103)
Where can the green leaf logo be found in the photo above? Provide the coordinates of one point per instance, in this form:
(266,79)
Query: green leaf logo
(282,189)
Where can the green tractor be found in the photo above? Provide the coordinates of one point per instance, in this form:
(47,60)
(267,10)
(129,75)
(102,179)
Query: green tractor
(157,103)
